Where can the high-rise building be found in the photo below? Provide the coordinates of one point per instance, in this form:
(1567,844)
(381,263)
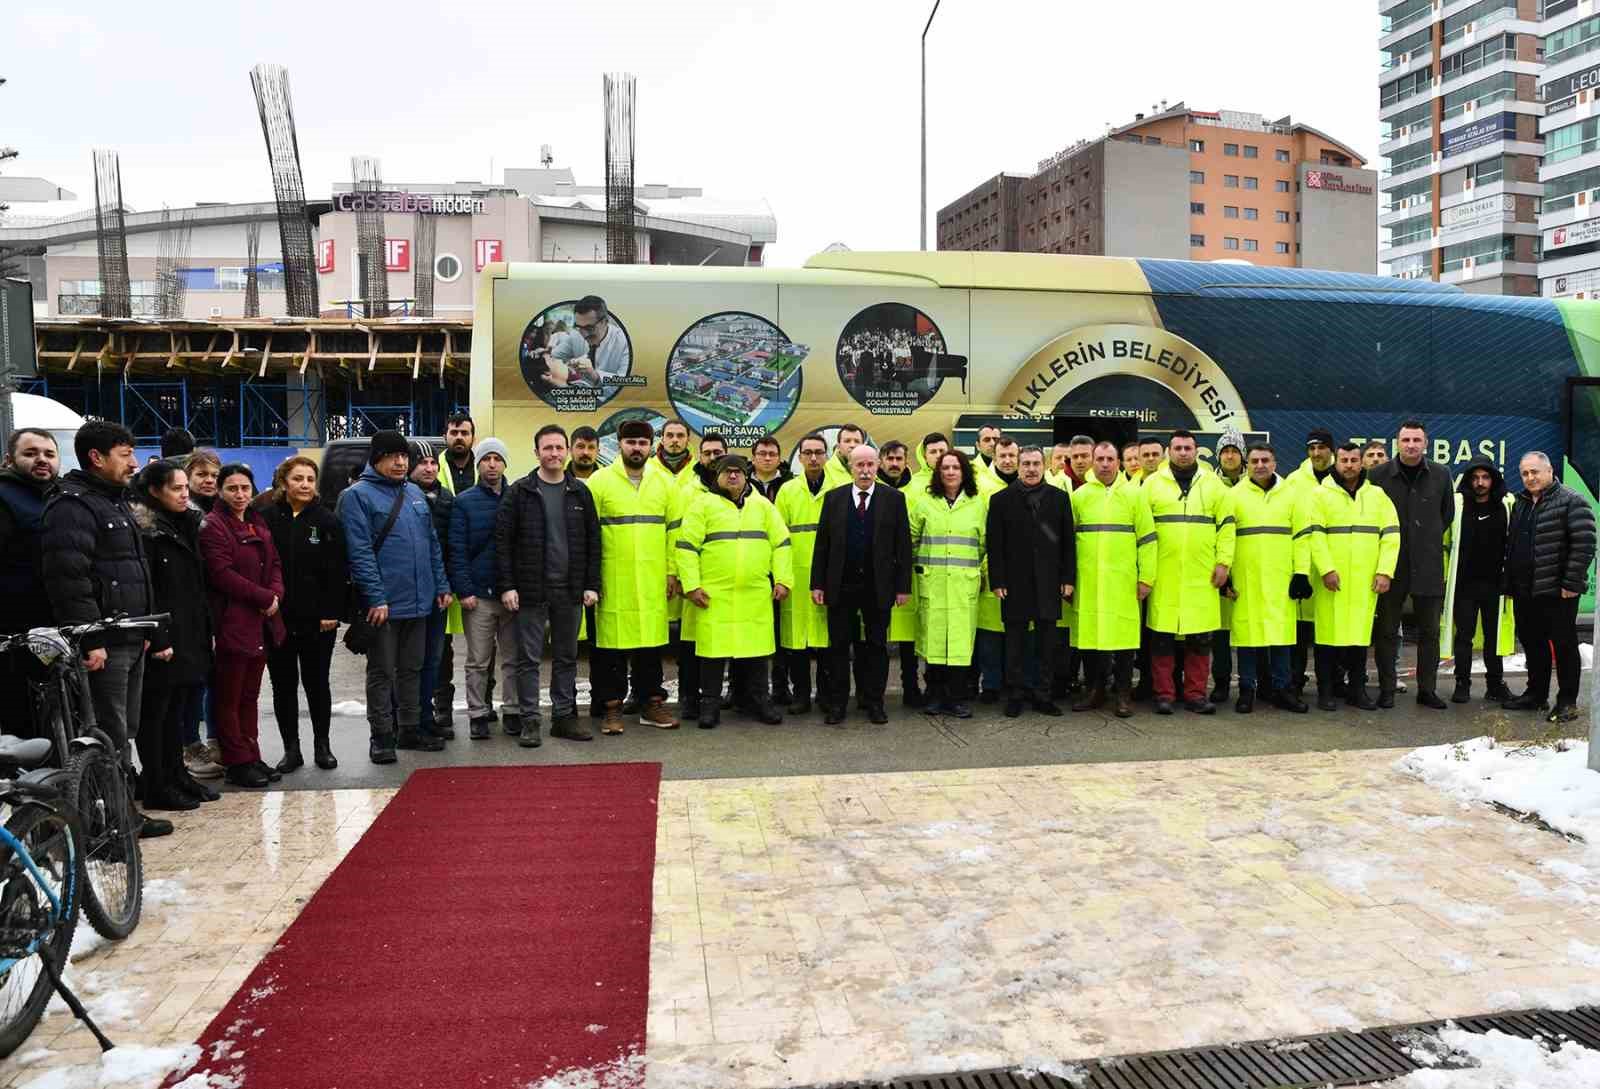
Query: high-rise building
(1571,172)
(1458,111)
(1182,183)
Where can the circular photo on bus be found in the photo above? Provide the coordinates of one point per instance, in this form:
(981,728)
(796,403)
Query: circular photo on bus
(735,373)
(892,359)
(608,430)
(576,355)
(829,433)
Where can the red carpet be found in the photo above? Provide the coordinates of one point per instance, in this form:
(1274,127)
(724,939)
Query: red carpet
(491,928)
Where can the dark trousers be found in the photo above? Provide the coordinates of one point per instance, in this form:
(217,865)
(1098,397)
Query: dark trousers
(1030,659)
(1386,642)
(688,672)
(394,666)
(444,680)
(908,667)
(779,660)
(1065,668)
(160,740)
(1109,668)
(798,668)
(1196,664)
(304,658)
(749,681)
(1340,661)
(1267,665)
(608,673)
(1544,623)
(117,692)
(238,696)
(555,622)
(845,621)
(949,684)
(1475,603)
(1300,655)
(1222,659)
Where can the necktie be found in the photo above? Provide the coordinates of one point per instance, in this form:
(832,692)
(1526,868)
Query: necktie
(861,502)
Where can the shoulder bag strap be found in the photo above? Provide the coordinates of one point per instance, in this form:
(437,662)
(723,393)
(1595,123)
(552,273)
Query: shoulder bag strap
(388,526)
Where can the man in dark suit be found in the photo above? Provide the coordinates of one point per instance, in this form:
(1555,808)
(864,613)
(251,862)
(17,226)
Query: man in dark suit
(1033,563)
(861,568)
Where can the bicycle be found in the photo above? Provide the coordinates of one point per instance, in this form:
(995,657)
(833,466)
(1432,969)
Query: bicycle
(39,885)
(97,785)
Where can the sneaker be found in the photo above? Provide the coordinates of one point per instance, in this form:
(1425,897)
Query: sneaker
(478,728)
(214,750)
(612,714)
(567,727)
(381,749)
(410,737)
(197,760)
(528,736)
(655,714)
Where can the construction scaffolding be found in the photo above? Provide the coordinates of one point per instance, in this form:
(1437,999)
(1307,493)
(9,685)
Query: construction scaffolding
(252,279)
(371,259)
(425,229)
(621,240)
(111,236)
(273,103)
(172,260)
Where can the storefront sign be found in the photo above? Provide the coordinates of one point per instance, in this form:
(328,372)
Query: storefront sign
(1562,94)
(1572,234)
(443,204)
(325,255)
(1502,126)
(1477,213)
(397,255)
(486,251)
(1327,179)
(1584,284)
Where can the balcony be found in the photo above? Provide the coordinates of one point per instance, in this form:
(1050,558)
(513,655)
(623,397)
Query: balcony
(88,306)
(1404,62)
(1498,15)
(1503,94)
(1390,214)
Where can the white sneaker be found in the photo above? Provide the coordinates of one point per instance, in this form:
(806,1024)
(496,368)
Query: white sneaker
(197,758)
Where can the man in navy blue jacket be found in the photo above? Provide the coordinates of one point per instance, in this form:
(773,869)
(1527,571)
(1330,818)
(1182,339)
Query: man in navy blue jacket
(491,627)
(399,585)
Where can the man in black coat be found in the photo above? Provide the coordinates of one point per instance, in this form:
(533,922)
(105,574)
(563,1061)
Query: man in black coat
(1425,502)
(860,569)
(1033,563)
(27,481)
(1550,545)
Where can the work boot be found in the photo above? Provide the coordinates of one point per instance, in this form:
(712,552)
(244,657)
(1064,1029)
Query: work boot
(710,712)
(198,760)
(1246,704)
(1358,697)
(613,717)
(1200,707)
(478,728)
(1497,692)
(411,737)
(1286,700)
(528,737)
(1125,703)
(292,761)
(1463,691)
(1325,698)
(767,712)
(1013,708)
(568,728)
(655,714)
(1093,699)
(322,753)
(1163,706)
(381,749)
(511,723)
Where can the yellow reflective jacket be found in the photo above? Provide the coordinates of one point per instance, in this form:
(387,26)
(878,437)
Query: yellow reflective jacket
(1304,483)
(1116,551)
(947,547)
(1359,537)
(734,553)
(632,611)
(1267,555)
(989,618)
(1194,533)
(802,624)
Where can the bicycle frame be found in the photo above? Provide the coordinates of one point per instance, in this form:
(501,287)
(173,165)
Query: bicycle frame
(60,907)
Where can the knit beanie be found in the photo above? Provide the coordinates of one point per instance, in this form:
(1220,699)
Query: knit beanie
(490,446)
(1233,438)
(385,443)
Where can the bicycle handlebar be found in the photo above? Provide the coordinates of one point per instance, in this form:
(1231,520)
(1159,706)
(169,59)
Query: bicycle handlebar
(78,631)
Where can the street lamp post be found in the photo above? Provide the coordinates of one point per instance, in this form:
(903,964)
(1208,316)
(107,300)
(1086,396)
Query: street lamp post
(924,222)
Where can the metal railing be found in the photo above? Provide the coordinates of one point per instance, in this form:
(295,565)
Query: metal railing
(1498,15)
(1504,94)
(88,306)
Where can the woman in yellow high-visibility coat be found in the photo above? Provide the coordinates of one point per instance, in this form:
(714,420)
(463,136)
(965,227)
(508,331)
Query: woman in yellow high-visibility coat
(947,548)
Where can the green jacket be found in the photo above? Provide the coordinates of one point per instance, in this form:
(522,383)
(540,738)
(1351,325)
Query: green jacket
(802,624)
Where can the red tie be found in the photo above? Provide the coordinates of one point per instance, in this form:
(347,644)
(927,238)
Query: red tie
(861,507)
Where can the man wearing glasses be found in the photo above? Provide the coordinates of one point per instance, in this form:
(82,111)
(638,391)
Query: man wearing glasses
(609,354)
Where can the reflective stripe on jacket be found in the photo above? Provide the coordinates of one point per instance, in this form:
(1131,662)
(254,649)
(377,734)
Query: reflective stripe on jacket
(1117,550)
(1195,533)
(735,554)
(1359,537)
(802,624)
(1267,555)
(632,611)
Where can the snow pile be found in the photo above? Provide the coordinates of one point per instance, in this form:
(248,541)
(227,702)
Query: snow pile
(1495,1060)
(1518,663)
(128,1067)
(1551,782)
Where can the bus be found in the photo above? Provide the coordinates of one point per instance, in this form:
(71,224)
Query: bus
(1044,346)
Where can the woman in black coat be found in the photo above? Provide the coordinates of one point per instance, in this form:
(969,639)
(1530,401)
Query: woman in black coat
(310,545)
(179,658)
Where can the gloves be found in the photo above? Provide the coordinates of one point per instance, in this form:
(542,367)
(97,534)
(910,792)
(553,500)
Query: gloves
(1299,588)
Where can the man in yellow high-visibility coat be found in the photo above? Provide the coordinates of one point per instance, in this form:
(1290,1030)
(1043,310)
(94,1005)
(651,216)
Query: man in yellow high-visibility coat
(1316,468)
(735,560)
(1117,555)
(1355,542)
(691,485)
(849,437)
(803,624)
(632,500)
(1231,472)
(1269,559)
(1475,611)
(1194,526)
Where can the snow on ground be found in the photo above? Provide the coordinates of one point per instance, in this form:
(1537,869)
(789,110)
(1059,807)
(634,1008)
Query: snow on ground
(1554,783)
(128,1067)
(1518,663)
(1495,1060)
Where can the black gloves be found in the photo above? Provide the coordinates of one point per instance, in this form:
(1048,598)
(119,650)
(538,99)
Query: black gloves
(1299,588)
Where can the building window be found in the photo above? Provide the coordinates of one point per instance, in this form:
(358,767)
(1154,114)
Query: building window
(1251,213)
(1251,245)
(1252,183)
(447,267)
(1252,152)
(1281,155)
(1197,177)
(1230,181)
(1197,145)
(1197,208)
(1196,241)
(1230,243)
(1231,149)
(1280,247)
(1230,212)
(1280,187)
(1281,217)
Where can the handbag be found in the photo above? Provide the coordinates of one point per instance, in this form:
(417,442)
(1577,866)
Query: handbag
(360,635)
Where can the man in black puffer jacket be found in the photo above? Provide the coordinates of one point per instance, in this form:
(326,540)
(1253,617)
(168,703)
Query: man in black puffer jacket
(1550,546)
(94,566)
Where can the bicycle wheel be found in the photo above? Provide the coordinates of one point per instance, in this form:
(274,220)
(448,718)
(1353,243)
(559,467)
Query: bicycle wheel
(26,934)
(113,868)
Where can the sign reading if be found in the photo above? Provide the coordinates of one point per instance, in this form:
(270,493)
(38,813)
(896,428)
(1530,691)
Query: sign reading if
(325,255)
(487,251)
(397,255)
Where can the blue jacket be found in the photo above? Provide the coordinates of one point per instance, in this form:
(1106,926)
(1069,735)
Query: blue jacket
(472,542)
(410,572)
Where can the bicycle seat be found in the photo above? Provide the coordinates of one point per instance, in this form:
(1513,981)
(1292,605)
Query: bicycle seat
(24,752)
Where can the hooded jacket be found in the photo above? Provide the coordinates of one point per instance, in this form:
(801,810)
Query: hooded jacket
(178,586)
(1480,553)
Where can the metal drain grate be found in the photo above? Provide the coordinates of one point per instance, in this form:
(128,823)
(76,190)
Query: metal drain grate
(1305,1062)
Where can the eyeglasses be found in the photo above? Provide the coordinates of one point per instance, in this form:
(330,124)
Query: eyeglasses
(590,329)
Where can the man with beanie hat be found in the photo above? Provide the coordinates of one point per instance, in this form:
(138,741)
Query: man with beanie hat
(491,628)
(1303,482)
(397,566)
(1230,471)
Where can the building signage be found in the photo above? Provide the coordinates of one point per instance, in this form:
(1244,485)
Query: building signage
(1477,213)
(1572,234)
(486,251)
(442,204)
(1502,126)
(1583,285)
(397,255)
(1327,179)
(1562,94)
(16,328)
(325,255)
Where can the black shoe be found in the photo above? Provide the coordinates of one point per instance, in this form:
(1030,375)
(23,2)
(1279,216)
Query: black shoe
(1163,707)
(1047,707)
(566,727)
(1564,712)
(1497,692)
(511,724)
(1359,698)
(409,737)
(292,761)
(631,705)
(1219,694)
(1463,692)
(247,775)
(1013,708)
(877,715)
(989,695)
(1526,702)
(445,728)
(1246,703)
(1325,698)
(272,774)
(193,787)
(1288,701)
(322,752)
(1200,707)
(958,709)
(710,713)
(913,697)
(1141,692)
(782,696)
(380,750)
(800,706)
(1386,700)
(832,716)
(478,729)
(1431,699)
(174,799)
(153,827)
(768,714)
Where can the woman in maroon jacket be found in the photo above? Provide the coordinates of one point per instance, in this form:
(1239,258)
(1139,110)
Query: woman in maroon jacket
(246,582)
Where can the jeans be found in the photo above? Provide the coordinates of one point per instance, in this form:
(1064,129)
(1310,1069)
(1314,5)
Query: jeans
(304,658)
(1251,659)
(871,652)
(989,660)
(118,692)
(394,669)
(1029,659)
(558,620)
(608,673)
(1472,605)
(434,641)
(203,707)
(1544,623)
(1386,632)
(491,634)
(238,685)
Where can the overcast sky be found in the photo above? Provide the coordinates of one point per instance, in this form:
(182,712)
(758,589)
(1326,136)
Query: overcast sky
(812,104)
